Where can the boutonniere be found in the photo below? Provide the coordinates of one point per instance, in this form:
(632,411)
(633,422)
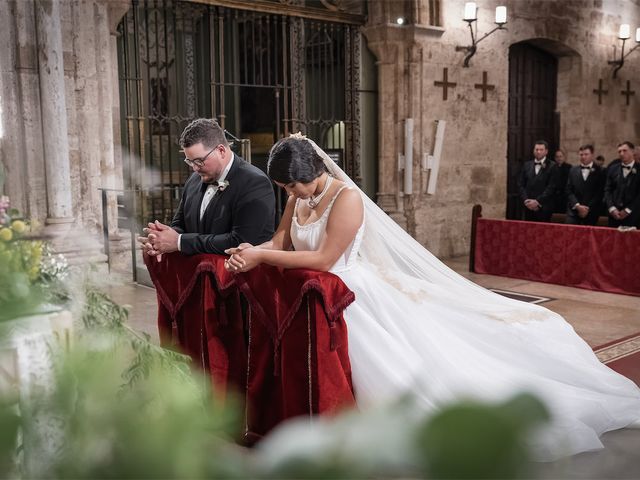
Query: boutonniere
(592,169)
(221,184)
(633,170)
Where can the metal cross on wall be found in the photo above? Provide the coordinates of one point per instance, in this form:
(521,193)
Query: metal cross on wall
(600,92)
(484,86)
(445,84)
(628,92)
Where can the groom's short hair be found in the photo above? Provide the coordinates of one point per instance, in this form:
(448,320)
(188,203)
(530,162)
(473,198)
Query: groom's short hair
(205,131)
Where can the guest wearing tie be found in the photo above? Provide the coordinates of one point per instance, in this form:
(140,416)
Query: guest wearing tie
(225,202)
(538,184)
(584,189)
(622,189)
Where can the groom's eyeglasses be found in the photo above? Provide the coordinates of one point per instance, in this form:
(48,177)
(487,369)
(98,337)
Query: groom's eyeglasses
(199,162)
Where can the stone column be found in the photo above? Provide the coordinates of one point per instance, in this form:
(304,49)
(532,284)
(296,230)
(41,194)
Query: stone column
(54,116)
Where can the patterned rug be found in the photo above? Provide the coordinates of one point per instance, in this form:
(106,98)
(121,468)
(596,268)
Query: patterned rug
(622,355)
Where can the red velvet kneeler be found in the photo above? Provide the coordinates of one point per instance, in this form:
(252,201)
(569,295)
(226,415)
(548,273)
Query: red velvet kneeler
(298,347)
(294,359)
(199,312)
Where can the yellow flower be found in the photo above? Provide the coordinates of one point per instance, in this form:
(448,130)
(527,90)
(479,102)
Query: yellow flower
(6,234)
(33,273)
(18,226)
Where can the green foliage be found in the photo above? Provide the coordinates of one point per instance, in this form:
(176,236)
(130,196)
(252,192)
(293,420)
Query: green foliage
(464,440)
(102,316)
(9,427)
(161,427)
(474,440)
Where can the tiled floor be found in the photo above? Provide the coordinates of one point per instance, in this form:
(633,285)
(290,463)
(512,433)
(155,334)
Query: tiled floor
(597,317)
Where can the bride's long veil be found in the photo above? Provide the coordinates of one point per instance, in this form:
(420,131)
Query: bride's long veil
(387,247)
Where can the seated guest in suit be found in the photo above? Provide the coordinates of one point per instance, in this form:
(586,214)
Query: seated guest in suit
(560,157)
(584,190)
(622,189)
(225,202)
(538,184)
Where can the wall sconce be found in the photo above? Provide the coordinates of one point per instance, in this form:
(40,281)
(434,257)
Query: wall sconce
(471,16)
(623,34)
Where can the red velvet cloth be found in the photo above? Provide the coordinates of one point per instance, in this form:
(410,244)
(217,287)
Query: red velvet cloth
(595,258)
(199,312)
(298,349)
(292,357)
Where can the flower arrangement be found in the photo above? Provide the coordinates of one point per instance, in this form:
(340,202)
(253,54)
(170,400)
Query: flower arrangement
(29,269)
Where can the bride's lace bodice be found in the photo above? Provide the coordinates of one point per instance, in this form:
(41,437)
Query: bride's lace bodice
(307,237)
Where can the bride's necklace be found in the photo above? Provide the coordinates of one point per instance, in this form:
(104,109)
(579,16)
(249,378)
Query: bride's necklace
(314,201)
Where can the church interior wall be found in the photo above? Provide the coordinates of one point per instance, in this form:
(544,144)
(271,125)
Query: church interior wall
(409,59)
(473,167)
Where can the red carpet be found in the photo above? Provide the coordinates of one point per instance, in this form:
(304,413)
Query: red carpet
(622,355)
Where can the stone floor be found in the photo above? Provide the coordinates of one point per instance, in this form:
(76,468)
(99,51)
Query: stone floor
(597,317)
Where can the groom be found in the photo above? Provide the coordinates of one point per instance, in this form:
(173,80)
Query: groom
(225,202)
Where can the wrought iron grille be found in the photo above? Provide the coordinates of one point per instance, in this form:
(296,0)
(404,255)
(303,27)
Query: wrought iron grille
(263,75)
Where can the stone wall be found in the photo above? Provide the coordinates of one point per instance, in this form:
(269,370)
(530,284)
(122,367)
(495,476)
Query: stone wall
(59,93)
(473,168)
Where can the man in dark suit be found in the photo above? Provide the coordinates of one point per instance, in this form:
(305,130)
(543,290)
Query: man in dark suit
(622,189)
(564,167)
(225,202)
(584,189)
(538,184)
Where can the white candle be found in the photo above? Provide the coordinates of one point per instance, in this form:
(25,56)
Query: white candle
(638,34)
(625,31)
(501,15)
(470,11)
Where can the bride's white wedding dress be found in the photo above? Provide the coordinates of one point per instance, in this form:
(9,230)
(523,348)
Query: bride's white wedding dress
(443,338)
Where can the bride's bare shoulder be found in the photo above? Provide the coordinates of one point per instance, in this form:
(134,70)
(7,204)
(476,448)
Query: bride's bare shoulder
(349,197)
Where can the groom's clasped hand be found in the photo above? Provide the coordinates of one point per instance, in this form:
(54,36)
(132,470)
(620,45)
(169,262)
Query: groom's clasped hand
(160,239)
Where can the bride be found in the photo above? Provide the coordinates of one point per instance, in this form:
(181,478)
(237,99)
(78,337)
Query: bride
(417,326)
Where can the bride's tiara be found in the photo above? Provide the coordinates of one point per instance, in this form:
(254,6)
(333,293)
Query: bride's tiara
(298,135)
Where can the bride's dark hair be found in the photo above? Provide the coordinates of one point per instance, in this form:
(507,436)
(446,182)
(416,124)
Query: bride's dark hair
(294,160)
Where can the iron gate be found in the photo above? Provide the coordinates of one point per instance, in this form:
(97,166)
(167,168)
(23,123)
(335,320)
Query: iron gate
(263,75)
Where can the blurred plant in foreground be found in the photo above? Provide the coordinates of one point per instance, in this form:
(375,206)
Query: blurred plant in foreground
(30,273)
(464,440)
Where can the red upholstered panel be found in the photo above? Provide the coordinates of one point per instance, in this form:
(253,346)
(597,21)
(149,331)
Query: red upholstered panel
(293,353)
(594,258)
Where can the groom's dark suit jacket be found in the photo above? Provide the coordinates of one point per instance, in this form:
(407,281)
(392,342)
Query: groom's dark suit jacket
(587,192)
(542,187)
(621,192)
(243,212)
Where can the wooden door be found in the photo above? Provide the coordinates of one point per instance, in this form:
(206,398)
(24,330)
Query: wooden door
(533,77)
